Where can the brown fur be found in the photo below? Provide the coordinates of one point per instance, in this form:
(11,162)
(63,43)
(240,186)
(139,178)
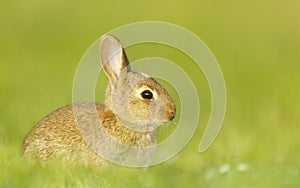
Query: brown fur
(58,135)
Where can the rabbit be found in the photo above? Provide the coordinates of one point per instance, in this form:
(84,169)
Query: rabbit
(135,105)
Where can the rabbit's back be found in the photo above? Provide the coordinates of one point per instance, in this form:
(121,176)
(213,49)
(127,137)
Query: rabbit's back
(62,135)
(57,135)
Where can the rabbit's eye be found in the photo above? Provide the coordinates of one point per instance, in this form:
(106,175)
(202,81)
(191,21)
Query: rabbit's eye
(147,94)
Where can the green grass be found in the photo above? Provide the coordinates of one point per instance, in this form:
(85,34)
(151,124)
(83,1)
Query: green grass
(256,43)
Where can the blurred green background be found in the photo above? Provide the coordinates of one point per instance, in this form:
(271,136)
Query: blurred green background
(257,44)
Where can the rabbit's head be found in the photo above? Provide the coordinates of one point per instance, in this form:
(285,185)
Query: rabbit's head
(137,100)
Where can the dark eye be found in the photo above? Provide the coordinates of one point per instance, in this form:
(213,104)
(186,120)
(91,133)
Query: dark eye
(147,94)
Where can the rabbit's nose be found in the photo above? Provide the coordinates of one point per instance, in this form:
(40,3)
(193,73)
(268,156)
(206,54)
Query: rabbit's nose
(172,117)
(171,112)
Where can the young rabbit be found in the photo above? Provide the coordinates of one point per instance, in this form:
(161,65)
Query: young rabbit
(135,105)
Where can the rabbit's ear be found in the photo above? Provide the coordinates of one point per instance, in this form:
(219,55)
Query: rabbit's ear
(113,57)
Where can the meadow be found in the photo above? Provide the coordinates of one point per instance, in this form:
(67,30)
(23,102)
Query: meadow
(256,43)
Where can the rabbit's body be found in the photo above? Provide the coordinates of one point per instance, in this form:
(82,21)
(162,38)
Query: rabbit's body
(135,105)
(57,135)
